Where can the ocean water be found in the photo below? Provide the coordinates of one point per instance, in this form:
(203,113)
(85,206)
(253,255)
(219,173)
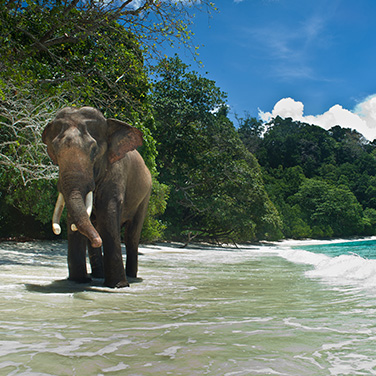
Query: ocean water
(292,308)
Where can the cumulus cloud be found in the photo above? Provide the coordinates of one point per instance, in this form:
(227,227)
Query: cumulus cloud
(367,110)
(362,118)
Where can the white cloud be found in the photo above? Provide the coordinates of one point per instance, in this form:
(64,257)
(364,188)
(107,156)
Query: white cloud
(367,110)
(362,119)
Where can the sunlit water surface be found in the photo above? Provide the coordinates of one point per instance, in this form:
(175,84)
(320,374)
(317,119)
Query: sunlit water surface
(262,310)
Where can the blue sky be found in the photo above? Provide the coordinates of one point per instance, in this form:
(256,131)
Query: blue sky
(313,60)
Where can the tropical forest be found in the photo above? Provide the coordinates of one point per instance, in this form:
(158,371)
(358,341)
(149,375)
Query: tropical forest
(215,179)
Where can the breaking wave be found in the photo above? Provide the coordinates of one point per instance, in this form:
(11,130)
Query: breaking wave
(339,262)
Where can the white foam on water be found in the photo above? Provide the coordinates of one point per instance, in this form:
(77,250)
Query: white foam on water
(349,269)
(119,367)
(304,242)
(170,352)
(209,310)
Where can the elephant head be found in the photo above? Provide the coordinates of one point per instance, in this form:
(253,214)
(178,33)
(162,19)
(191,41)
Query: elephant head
(84,143)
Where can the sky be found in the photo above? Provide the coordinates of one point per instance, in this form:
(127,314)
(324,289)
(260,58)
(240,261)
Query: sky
(312,60)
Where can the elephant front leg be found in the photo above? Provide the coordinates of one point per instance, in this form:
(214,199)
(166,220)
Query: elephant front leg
(77,256)
(114,271)
(109,229)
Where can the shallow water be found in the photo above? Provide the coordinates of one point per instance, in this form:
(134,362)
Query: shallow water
(268,310)
(365,248)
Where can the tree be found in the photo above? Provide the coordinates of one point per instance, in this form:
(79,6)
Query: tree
(27,175)
(36,27)
(290,143)
(216,188)
(322,182)
(330,211)
(250,131)
(103,68)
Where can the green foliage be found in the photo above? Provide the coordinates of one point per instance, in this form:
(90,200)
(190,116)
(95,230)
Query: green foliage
(57,55)
(49,23)
(206,179)
(250,131)
(369,221)
(323,183)
(27,176)
(329,210)
(289,144)
(216,188)
(154,228)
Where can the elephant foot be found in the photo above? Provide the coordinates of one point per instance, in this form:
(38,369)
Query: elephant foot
(132,280)
(131,273)
(122,284)
(118,285)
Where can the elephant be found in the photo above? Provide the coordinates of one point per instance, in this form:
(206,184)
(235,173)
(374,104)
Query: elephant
(105,185)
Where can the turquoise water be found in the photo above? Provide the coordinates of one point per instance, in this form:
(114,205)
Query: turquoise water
(362,248)
(268,310)
(350,263)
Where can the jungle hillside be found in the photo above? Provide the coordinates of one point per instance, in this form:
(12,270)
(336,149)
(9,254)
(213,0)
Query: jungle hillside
(214,179)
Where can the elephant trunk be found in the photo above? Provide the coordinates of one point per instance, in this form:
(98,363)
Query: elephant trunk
(80,216)
(89,208)
(75,182)
(59,207)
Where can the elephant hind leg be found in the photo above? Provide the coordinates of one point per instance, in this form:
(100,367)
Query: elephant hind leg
(132,237)
(96,261)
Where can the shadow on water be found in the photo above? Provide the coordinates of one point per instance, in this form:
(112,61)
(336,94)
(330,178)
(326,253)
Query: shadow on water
(65,286)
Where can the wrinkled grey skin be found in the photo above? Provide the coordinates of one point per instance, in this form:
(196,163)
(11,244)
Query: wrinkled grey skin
(98,154)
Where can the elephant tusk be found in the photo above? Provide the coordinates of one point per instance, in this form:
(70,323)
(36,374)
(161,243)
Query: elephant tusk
(60,203)
(89,208)
(89,203)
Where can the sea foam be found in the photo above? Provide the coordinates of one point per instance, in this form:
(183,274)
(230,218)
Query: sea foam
(346,269)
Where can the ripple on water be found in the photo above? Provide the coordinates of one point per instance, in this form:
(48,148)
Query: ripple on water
(196,312)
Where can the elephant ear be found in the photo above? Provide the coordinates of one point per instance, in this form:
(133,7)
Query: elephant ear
(46,138)
(122,139)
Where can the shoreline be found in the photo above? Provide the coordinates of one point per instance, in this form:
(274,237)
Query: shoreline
(182,245)
(297,242)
